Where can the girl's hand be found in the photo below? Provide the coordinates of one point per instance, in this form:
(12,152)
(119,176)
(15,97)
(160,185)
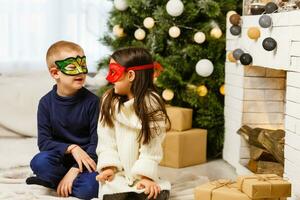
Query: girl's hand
(150,187)
(82,157)
(107,174)
(64,188)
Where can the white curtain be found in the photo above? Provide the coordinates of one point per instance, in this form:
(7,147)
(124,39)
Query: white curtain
(29,27)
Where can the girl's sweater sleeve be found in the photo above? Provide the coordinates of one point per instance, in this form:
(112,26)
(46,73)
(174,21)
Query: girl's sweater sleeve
(151,153)
(107,148)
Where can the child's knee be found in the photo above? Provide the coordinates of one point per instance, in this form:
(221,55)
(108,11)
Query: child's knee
(40,161)
(87,187)
(88,192)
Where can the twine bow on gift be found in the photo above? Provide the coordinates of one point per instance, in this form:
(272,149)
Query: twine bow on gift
(260,177)
(221,183)
(267,177)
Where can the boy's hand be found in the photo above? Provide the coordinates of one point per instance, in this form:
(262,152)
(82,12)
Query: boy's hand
(150,187)
(107,174)
(82,157)
(64,188)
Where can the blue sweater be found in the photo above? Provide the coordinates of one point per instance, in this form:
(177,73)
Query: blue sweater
(63,121)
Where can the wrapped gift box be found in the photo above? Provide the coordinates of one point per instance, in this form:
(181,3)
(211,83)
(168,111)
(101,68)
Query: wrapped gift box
(184,148)
(219,190)
(181,118)
(222,190)
(264,186)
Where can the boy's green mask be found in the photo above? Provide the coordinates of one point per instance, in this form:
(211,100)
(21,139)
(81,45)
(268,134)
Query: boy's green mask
(72,66)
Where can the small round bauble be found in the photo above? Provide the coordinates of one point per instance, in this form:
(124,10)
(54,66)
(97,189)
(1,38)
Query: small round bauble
(235,19)
(149,22)
(118,30)
(120,5)
(271,7)
(246,59)
(253,33)
(235,30)
(269,44)
(199,37)
(168,94)
(202,90)
(222,89)
(265,21)
(229,13)
(204,67)
(216,32)
(230,57)
(174,32)
(139,34)
(174,7)
(237,53)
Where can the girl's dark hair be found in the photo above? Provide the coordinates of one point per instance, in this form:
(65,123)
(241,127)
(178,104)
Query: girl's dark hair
(142,89)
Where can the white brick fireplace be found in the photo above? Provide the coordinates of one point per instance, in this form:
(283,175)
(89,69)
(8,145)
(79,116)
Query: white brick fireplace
(267,94)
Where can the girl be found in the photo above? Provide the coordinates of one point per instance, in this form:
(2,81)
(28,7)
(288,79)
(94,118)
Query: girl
(132,127)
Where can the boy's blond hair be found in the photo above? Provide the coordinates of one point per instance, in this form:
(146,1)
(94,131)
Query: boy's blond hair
(55,50)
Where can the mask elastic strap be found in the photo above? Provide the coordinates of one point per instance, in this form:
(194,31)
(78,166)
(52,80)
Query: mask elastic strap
(141,67)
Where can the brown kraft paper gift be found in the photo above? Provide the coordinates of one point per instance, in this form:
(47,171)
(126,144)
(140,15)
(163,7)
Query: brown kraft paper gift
(264,186)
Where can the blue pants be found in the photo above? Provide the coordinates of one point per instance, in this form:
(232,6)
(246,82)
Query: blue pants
(51,167)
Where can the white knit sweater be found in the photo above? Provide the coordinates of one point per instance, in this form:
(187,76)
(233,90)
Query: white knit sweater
(119,147)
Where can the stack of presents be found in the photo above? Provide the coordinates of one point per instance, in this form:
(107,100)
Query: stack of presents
(186,146)
(258,187)
(183,145)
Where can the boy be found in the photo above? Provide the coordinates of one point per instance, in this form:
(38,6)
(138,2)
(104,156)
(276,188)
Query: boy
(67,127)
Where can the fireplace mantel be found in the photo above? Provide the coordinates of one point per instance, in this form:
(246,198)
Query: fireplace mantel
(286,32)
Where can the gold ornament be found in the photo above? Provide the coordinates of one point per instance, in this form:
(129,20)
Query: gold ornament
(174,32)
(139,34)
(191,87)
(230,57)
(118,31)
(253,33)
(168,94)
(216,32)
(202,90)
(222,89)
(149,22)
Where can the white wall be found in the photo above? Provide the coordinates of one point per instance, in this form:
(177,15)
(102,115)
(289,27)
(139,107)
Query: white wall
(292,127)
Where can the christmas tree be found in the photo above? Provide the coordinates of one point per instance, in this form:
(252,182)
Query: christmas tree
(179,34)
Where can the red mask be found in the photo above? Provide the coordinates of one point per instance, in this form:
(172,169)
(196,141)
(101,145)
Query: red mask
(116,71)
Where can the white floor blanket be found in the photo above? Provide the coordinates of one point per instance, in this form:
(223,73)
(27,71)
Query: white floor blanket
(16,153)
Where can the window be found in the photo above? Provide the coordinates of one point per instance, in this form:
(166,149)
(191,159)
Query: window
(29,27)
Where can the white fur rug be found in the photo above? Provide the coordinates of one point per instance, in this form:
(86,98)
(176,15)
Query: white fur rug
(16,153)
(12,186)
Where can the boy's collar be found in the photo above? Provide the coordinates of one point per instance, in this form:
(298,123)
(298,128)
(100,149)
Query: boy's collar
(67,98)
